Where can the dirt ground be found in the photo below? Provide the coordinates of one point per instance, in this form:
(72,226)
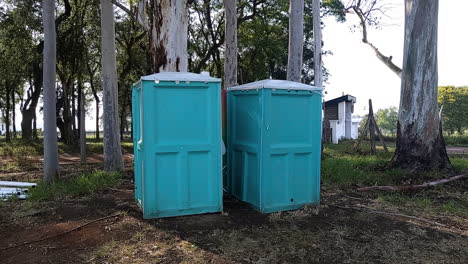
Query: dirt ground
(348,227)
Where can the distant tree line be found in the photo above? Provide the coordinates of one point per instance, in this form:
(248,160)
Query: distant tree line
(454,103)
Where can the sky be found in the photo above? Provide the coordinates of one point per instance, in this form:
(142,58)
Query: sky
(356,71)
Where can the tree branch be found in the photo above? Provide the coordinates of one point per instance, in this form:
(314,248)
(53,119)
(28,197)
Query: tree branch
(412,187)
(363,17)
(124,8)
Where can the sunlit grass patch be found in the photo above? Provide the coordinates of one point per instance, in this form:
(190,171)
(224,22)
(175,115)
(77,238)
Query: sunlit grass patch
(82,184)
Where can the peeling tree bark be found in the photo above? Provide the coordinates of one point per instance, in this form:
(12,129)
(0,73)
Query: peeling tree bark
(296,40)
(112,149)
(420,145)
(230,64)
(168,33)
(51,168)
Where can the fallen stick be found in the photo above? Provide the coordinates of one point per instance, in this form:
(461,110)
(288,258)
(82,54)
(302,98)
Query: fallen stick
(62,233)
(412,187)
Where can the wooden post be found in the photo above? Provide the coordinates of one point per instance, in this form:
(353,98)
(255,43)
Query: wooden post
(372,126)
(363,134)
(381,138)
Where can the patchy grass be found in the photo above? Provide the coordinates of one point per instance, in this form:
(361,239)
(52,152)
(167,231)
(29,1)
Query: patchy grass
(460,164)
(83,184)
(20,148)
(429,202)
(343,166)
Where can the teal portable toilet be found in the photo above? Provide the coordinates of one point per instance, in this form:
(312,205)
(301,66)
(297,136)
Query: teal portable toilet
(177,135)
(274,144)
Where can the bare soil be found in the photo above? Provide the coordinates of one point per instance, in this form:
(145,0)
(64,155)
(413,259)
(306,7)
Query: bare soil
(348,227)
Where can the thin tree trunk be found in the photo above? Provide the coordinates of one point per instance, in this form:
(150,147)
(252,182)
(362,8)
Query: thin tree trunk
(82,129)
(7,112)
(122,121)
(13,116)
(296,40)
(420,144)
(51,168)
(112,150)
(97,119)
(73,108)
(34,126)
(78,109)
(168,35)
(230,64)
(96,98)
(318,78)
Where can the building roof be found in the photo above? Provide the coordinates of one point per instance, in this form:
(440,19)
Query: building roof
(275,84)
(344,98)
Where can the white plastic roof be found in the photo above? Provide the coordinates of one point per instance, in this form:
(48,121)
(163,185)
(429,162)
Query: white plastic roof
(180,76)
(275,84)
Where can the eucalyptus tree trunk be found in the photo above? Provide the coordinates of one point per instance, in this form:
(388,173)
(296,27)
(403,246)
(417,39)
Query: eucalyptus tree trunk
(420,145)
(296,40)
(51,166)
(230,64)
(168,33)
(318,78)
(112,150)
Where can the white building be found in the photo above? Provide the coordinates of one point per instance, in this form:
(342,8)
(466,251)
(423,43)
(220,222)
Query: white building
(338,122)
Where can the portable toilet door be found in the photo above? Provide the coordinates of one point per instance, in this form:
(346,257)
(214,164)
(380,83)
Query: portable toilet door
(274,144)
(177,135)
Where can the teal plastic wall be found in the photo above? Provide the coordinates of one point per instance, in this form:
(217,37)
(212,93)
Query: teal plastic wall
(274,147)
(177,135)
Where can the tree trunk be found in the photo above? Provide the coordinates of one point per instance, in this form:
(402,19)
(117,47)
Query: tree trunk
(122,121)
(96,99)
(51,168)
(67,127)
(73,108)
(296,40)
(97,118)
(230,64)
(112,150)
(26,125)
(7,112)
(82,129)
(420,145)
(318,78)
(28,111)
(168,35)
(34,126)
(13,116)
(78,109)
